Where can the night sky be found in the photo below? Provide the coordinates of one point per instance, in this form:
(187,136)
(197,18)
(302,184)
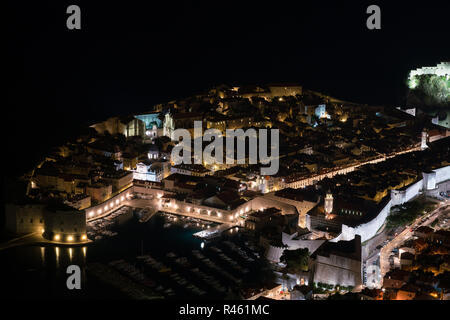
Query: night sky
(130,55)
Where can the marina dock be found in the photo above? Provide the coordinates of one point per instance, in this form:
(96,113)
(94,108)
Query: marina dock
(213,232)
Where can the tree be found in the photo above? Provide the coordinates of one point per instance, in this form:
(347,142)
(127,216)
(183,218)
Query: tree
(296,260)
(430,91)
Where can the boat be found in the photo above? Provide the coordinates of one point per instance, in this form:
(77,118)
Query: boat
(168,291)
(171,255)
(146,215)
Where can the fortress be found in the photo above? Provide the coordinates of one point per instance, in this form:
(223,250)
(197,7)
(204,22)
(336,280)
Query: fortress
(442,69)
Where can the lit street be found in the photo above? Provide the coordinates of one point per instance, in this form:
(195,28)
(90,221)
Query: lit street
(442,209)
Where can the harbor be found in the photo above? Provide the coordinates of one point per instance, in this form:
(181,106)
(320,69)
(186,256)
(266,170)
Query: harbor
(102,227)
(187,267)
(200,259)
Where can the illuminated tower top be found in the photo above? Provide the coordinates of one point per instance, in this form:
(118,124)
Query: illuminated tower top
(424,140)
(328,202)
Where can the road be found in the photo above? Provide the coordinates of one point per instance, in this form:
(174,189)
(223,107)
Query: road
(407,233)
(36,238)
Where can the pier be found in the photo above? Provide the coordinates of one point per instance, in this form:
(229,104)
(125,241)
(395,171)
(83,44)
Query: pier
(214,232)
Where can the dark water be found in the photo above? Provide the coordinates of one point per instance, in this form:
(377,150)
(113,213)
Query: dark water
(40,272)
(148,237)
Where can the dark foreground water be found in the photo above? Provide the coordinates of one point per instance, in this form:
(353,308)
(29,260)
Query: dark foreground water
(38,272)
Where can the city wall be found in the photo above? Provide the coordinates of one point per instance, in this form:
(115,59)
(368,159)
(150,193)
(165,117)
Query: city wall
(109,205)
(273,253)
(337,270)
(369,229)
(366,230)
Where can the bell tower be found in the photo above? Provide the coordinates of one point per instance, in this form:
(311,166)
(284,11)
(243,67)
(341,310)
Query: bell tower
(423,144)
(329,202)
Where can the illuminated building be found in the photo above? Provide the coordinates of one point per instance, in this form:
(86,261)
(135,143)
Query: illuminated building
(118,179)
(338,263)
(129,126)
(63,223)
(56,222)
(24,217)
(169,125)
(99,191)
(329,203)
(150,119)
(151,170)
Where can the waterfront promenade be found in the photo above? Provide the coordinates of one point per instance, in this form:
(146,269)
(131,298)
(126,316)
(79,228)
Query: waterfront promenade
(36,238)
